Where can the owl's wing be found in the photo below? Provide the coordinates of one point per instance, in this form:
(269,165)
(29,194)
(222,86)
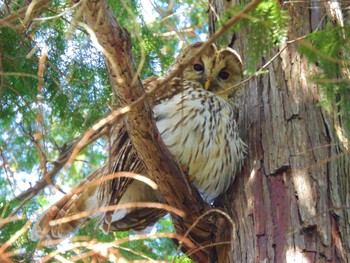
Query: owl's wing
(111,192)
(72,203)
(127,190)
(137,219)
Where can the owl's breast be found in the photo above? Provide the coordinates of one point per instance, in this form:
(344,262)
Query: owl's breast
(200,131)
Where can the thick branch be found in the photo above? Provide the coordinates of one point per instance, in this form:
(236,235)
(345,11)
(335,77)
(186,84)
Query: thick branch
(116,45)
(175,189)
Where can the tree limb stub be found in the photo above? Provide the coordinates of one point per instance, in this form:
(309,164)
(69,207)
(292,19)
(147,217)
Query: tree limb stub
(116,45)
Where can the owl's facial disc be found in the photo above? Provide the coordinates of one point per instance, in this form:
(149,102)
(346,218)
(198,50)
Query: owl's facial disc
(217,71)
(226,72)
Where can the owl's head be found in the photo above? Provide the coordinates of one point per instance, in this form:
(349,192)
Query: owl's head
(217,70)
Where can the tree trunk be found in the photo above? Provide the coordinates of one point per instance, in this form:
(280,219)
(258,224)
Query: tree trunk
(291,203)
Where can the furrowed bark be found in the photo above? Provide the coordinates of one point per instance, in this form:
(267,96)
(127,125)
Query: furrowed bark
(291,204)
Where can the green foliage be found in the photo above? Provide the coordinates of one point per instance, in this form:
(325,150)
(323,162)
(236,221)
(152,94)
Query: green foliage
(76,93)
(268,28)
(22,244)
(265,27)
(38,120)
(146,47)
(14,51)
(148,38)
(329,50)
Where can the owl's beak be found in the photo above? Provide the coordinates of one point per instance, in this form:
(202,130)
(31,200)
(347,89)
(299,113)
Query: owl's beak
(207,84)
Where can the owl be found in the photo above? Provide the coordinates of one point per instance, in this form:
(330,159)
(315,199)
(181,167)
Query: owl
(197,122)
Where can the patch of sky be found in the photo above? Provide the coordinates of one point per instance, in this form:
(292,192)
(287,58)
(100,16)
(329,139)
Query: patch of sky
(148,12)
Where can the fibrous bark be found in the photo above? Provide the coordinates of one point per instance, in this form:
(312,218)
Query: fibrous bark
(292,202)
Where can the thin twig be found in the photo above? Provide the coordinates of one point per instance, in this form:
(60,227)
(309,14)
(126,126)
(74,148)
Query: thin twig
(22,12)
(211,211)
(14,237)
(91,243)
(101,210)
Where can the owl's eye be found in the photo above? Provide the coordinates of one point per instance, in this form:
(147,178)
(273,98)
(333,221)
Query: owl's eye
(198,67)
(224,75)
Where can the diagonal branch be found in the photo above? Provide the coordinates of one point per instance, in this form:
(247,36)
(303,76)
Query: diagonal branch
(175,189)
(66,152)
(116,45)
(25,14)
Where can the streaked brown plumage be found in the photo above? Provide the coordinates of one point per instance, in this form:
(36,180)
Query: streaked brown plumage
(196,122)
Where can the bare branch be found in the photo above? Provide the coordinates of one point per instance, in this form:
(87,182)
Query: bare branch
(59,164)
(26,13)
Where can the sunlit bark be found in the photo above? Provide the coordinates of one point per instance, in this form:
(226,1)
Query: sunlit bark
(291,204)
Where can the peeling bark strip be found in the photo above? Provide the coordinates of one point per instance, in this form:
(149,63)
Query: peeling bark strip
(280,212)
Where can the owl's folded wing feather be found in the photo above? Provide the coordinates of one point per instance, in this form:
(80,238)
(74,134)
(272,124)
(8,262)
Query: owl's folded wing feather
(108,192)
